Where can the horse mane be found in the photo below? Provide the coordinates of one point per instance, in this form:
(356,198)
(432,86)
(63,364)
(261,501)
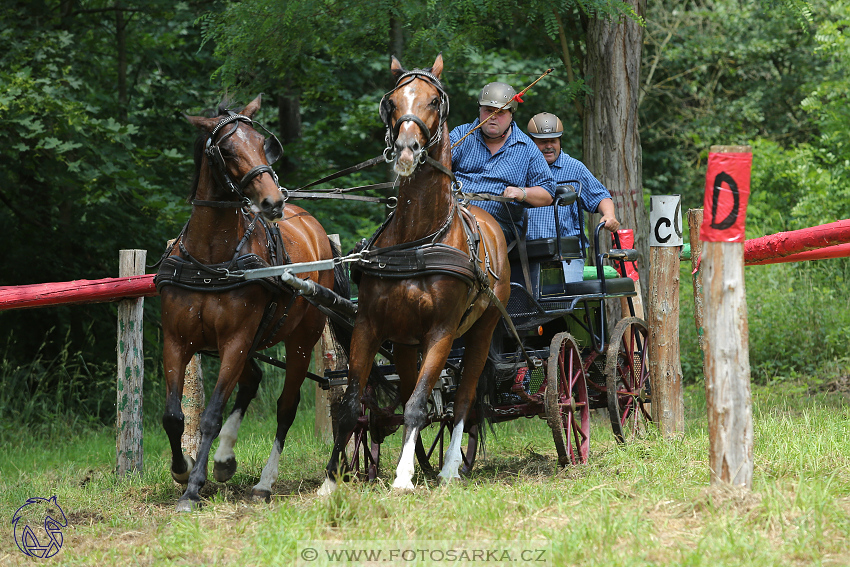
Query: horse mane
(201,140)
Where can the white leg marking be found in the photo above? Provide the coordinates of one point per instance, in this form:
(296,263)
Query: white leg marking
(404,471)
(327,488)
(453,455)
(269,474)
(227,438)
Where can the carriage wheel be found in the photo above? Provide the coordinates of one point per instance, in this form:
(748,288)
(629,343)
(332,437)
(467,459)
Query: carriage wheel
(627,379)
(362,455)
(430,450)
(567,407)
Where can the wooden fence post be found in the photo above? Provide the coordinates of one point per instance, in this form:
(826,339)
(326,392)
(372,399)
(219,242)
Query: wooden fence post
(727,364)
(130,369)
(694,223)
(668,402)
(327,355)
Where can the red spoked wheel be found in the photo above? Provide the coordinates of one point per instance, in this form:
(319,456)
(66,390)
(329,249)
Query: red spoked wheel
(566,401)
(627,379)
(431,450)
(362,455)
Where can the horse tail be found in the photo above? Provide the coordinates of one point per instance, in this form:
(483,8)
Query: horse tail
(485,399)
(342,331)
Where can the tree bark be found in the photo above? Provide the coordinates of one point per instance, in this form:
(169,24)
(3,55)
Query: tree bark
(611,139)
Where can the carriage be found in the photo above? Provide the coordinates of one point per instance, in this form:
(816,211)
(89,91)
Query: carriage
(568,362)
(435,299)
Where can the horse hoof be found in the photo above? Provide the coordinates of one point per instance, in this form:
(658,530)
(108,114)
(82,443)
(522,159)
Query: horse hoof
(447,480)
(188,505)
(402,487)
(327,488)
(260,496)
(183,478)
(223,472)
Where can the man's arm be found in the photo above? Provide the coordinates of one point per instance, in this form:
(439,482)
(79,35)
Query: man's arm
(535,196)
(606,209)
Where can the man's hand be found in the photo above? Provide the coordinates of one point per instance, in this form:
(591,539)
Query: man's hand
(518,194)
(611,223)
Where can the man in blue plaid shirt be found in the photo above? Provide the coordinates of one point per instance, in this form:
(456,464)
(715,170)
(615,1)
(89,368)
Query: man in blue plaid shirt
(500,159)
(546,130)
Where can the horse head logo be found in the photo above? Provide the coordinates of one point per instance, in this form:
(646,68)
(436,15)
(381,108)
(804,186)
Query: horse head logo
(38,527)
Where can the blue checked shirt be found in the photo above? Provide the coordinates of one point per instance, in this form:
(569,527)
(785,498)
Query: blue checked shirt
(518,163)
(541,220)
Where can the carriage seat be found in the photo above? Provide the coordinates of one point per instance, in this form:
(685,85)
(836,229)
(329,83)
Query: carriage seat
(546,249)
(613,286)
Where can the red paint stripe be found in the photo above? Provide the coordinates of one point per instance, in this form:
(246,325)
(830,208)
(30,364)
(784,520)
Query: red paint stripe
(839,251)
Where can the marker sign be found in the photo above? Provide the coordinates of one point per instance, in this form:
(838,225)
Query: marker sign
(727,190)
(665,220)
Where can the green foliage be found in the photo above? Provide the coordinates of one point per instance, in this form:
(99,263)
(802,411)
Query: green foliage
(85,174)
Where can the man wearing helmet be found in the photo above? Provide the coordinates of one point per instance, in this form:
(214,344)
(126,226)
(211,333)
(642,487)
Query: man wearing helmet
(500,159)
(546,130)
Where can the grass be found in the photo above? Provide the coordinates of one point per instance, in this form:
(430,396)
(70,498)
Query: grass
(648,503)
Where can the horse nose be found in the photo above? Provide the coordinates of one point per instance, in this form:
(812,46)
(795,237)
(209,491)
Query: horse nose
(272,208)
(401,145)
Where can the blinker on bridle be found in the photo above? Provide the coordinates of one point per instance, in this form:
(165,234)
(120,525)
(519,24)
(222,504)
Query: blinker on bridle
(272,148)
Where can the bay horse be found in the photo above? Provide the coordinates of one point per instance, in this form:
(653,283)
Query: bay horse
(235,200)
(427,277)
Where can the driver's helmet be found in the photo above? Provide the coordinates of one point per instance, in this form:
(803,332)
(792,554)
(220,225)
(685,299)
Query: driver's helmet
(496,94)
(545,125)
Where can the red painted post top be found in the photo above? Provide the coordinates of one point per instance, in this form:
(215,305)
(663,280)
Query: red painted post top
(727,190)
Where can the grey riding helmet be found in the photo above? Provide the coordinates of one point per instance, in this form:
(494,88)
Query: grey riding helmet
(545,125)
(497,94)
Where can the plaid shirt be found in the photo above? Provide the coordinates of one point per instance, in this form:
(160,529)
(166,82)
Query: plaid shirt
(541,220)
(518,163)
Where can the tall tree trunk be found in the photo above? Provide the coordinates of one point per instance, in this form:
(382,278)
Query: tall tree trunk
(611,139)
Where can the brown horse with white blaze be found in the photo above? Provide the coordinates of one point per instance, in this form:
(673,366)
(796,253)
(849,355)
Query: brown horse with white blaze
(465,269)
(236,200)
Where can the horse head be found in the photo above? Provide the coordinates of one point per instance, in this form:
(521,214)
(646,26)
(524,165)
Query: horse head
(240,157)
(414,112)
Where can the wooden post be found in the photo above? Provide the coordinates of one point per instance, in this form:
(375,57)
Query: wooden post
(130,369)
(668,402)
(694,223)
(727,364)
(192,404)
(328,355)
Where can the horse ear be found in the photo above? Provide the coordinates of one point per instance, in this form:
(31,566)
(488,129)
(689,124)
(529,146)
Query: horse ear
(252,107)
(437,69)
(201,122)
(396,68)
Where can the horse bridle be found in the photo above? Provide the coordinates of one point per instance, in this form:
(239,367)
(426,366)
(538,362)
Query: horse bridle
(272,148)
(393,129)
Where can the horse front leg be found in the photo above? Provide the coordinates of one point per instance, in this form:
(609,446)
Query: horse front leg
(224,461)
(364,347)
(233,361)
(477,347)
(299,348)
(175,358)
(416,409)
